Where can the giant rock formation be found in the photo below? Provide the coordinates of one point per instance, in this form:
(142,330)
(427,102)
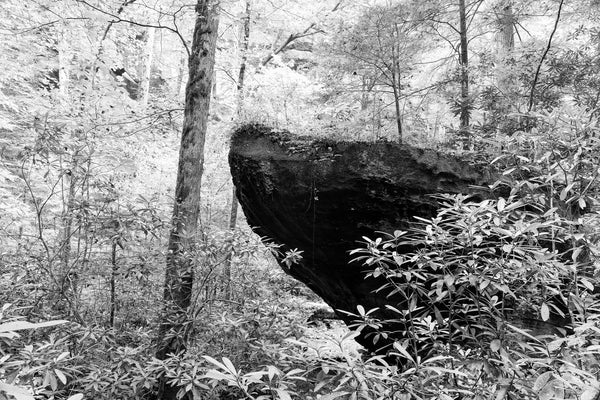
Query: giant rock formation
(321,197)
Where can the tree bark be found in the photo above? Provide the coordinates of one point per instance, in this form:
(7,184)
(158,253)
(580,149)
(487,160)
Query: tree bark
(179,274)
(464,74)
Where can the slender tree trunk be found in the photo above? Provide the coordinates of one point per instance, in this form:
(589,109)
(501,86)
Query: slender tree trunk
(465,105)
(179,274)
(67,280)
(68,179)
(505,42)
(396,83)
(244,42)
(113,284)
(396,90)
(364,94)
(232,222)
(144,88)
(505,20)
(181,77)
(64,65)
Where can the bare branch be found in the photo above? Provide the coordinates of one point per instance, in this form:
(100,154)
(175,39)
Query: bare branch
(117,19)
(296,36)
(539,67)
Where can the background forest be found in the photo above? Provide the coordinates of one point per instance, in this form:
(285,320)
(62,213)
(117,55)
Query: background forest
(92,101)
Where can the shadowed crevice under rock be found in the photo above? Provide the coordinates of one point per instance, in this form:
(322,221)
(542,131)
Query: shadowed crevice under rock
(321,197)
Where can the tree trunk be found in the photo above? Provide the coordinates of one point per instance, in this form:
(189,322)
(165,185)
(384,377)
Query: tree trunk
(396,83)
(181,76)
(144,88)
(396,90)
(505,42)
(232,223)
(64,65)
(66,277)
(113,284)
(364,94)
(179,274)
(505,19)
(244,42)
(464,74)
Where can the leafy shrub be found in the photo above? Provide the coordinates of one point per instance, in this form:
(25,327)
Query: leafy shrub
(497,296)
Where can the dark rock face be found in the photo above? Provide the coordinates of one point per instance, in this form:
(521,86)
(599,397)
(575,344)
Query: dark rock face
(321,197)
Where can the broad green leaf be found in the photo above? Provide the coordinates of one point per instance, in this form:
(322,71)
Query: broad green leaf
(230,366)
(501,204)
(361,310)
(590,393)
(545,312)
(333,396)
(403,351)
(215,362)
(495,345)
(21,325)
(61,376)
(77,396)
(218,376)
(283,395)
(588,285)
(542,380)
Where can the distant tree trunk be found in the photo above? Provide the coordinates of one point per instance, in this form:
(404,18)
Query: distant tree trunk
(232,223)
(396,83)
(364,94)
(144,88)
(179,274)
(113,284)
(181,76)
(505,42)
(506,20)
(464,74)
(64,65)
(66,278)
(63,88)
(244,42)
